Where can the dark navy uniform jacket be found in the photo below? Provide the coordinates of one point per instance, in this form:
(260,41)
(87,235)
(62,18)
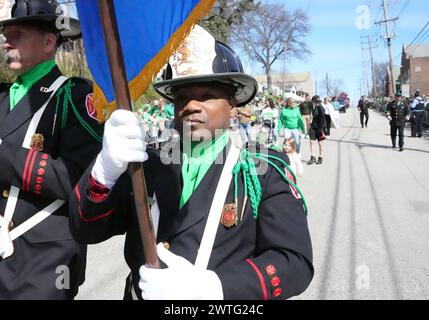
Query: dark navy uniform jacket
(44,176)
(265,258)
(398,112)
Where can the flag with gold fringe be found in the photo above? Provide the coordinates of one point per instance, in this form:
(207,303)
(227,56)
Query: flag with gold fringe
(150,31)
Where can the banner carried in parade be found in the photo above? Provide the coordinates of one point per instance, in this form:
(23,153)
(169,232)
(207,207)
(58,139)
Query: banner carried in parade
(150,31)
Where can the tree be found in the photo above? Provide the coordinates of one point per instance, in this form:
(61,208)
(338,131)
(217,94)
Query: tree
(380,78)
(224,15)
(268,31)
(334,87)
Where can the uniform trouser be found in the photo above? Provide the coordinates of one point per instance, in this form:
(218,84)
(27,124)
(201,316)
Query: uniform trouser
(328,124)
(397,128)
(417,123)
(362,115)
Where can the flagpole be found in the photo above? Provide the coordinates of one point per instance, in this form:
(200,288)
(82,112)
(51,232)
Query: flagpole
(117,69)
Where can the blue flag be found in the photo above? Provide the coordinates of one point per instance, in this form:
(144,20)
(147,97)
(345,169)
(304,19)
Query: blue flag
(150,31)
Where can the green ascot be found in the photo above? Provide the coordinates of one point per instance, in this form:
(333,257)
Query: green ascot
(197,163)
(25,81)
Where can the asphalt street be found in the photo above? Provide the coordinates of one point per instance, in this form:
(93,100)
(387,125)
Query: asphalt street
(368,218)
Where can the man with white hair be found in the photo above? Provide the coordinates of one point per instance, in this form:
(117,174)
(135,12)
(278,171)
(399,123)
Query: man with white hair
(48,136)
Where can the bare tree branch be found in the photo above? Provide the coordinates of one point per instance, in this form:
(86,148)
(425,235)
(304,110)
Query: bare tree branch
(266,31)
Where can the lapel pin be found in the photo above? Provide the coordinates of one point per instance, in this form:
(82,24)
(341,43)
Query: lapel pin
(44,89)
(229,215)
(37,142)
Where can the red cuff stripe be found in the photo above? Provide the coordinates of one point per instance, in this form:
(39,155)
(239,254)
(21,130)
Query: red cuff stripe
(77,193)
(25,173)
(261,279)
(101,216)
(30,170)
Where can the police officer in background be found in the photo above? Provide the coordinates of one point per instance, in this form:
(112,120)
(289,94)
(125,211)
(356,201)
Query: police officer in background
(398,113)
(48,136)
(363,107)
(417,109)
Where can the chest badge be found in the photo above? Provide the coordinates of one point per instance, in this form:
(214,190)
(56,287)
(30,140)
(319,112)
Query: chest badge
(37,141)
(229,216)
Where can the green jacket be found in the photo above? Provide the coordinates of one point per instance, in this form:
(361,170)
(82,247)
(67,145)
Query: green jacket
(291,118)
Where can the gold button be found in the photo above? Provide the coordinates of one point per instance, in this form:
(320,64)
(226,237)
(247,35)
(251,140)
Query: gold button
(6,193)
(166,245)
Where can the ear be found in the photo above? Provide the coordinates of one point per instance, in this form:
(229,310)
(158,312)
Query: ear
(233,104)
(51,43)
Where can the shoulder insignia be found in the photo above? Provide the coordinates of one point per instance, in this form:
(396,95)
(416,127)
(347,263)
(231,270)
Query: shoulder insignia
(90,107)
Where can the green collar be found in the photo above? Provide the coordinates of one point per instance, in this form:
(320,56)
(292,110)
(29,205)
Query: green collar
(196,164)
(25,81)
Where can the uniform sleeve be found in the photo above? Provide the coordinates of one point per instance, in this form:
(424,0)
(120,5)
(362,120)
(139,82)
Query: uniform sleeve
(388,110)
(281,266)
(96,219)
(41,173)
(93,221)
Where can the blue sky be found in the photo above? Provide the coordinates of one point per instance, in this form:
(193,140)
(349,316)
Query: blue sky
(335,40)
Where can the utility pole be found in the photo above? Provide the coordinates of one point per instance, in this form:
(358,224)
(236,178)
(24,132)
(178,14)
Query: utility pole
(389,37)
(365,74)
(370,47)
(327,85)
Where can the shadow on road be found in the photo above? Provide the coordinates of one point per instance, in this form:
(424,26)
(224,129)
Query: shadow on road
(362,145)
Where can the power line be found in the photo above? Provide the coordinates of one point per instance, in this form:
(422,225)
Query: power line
(416,42)
(427,23)
(403,8)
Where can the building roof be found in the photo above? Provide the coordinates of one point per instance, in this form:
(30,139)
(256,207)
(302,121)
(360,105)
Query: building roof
(289,77)
(417,51)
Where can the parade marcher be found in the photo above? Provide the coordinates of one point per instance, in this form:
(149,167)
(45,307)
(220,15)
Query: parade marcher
(261,249)
(306,109)
(270,115)
(291,123)
(329,111)
(417,110)
(48,136)
(398,113)
(244,115)
(363,107)
(317,129)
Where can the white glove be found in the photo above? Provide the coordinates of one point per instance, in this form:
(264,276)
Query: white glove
(180,281)
(123,142)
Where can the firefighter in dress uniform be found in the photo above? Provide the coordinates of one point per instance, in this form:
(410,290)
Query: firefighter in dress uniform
(48,136)
(262,247)
(398,113)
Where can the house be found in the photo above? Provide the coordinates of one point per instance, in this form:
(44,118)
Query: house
(415,69)
(300,82)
